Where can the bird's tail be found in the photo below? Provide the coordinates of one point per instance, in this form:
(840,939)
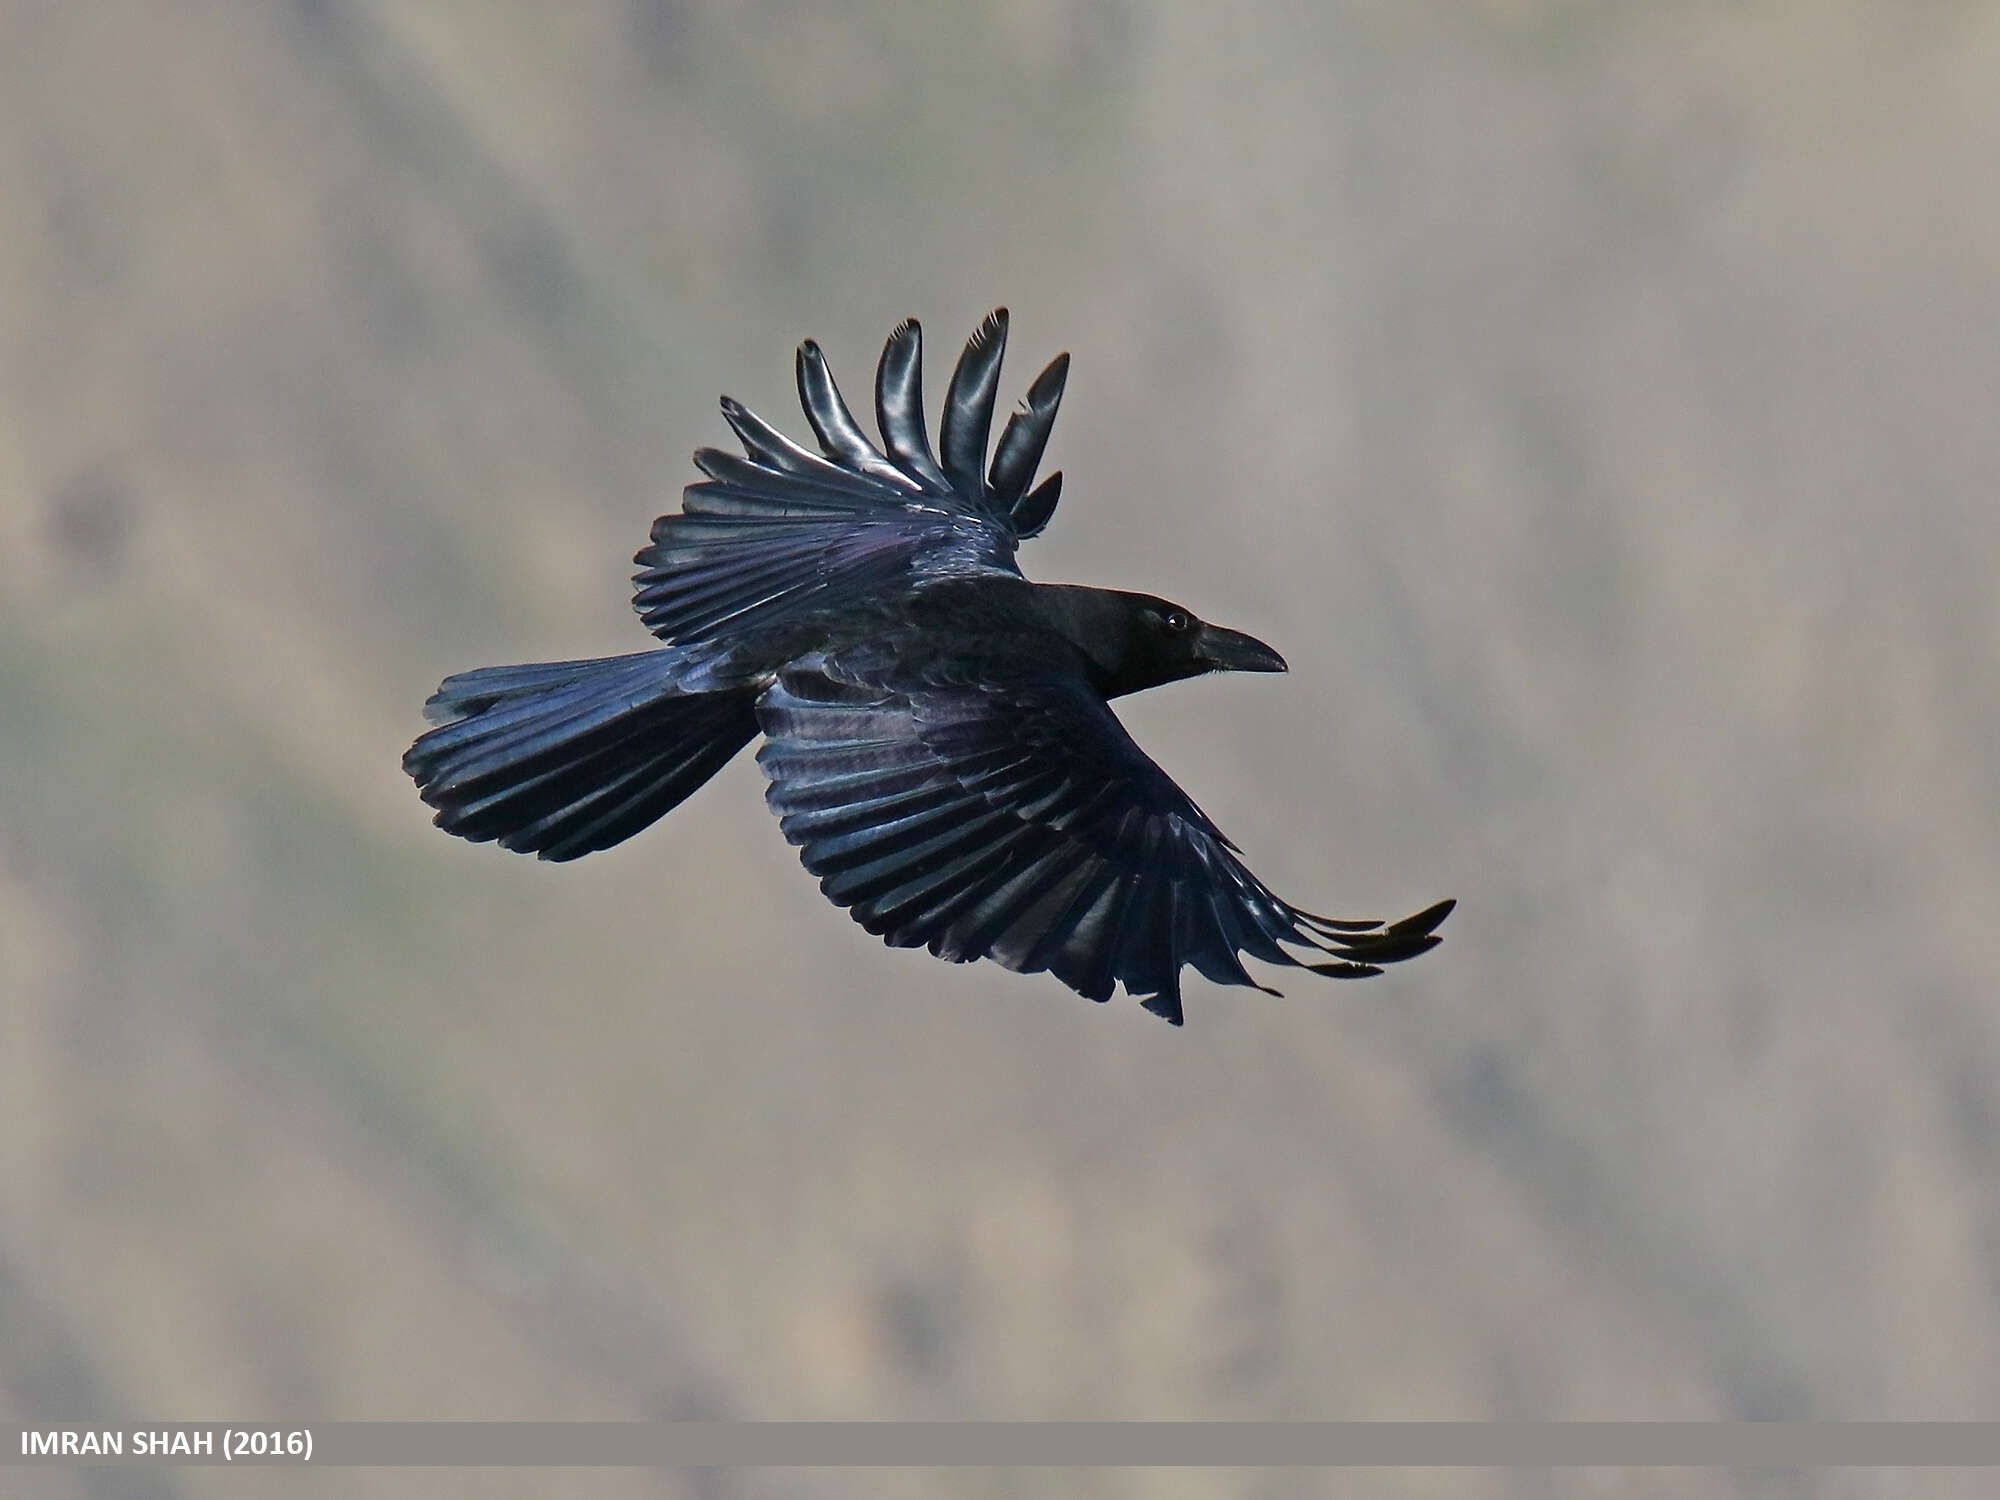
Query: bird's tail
(562,758)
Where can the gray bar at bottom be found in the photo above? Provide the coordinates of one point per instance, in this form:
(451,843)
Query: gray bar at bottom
(1008,1444)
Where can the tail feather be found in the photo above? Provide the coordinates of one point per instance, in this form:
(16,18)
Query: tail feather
(563,758)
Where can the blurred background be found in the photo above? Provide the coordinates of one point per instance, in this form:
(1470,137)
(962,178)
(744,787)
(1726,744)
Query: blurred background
(1594,402)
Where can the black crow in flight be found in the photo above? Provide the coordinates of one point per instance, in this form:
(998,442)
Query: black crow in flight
(936,729)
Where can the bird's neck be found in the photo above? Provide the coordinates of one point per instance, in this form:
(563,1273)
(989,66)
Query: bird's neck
(1098,622)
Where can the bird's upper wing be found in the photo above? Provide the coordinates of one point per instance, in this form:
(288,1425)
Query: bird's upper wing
(784,529)
(1009,816)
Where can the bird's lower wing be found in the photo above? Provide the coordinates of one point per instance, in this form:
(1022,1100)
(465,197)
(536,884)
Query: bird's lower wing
(1018,821)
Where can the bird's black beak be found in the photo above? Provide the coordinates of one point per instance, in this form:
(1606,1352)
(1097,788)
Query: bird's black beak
(1233,651)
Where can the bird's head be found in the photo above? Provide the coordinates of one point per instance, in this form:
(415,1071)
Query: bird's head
(1137,641)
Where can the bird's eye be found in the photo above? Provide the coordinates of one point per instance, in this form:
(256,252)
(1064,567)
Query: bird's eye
(1178,622)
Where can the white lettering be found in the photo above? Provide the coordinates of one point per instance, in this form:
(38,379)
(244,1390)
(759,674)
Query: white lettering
(160,1443)
(74,1444)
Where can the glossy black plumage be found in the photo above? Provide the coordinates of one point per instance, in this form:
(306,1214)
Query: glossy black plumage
(936,729)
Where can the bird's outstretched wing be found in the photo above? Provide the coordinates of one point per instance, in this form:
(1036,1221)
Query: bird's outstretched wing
(783,529)
(1016,820)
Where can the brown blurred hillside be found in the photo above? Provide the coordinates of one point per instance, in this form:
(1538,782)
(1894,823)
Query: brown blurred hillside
(1595,404)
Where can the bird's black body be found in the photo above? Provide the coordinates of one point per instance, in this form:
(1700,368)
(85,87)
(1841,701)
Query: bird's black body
(936,729)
